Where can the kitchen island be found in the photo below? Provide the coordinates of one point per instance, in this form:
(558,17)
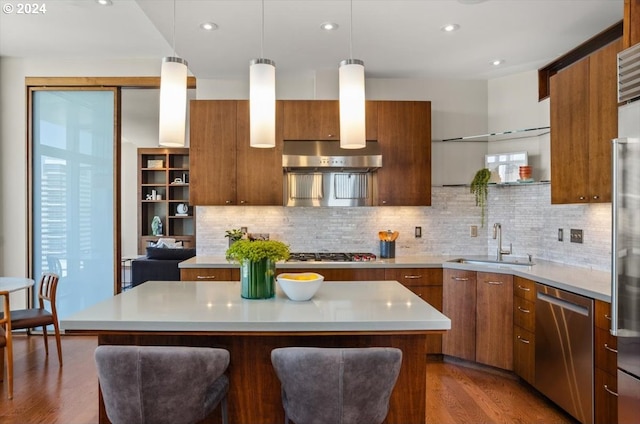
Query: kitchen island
(341,314)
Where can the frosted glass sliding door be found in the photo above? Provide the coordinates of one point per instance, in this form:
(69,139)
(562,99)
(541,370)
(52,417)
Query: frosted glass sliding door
(73,193)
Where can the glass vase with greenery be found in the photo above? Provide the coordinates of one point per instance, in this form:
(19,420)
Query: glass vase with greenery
(258,265)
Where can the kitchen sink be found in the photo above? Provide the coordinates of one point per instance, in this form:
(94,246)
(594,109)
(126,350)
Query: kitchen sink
(512,263)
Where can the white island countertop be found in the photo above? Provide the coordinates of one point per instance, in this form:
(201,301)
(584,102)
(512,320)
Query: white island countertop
(190,306)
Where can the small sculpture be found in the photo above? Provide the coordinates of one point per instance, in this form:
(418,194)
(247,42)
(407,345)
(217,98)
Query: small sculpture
(156,226)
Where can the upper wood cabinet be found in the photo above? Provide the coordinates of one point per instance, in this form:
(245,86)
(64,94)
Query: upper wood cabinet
(631,23)
(583,122)
(404,135)
(320,120)
(224,169)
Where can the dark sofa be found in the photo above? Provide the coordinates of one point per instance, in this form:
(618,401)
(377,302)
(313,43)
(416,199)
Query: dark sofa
(159,264)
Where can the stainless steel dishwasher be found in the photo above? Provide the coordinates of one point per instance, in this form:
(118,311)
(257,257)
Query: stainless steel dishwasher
(564,350)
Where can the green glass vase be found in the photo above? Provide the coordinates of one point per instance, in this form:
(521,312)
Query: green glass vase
(257,279)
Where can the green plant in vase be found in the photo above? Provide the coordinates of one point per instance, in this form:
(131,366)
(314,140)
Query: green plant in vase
(257,265)
(479,187)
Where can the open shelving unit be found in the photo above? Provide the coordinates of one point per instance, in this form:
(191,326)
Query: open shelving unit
(163,185)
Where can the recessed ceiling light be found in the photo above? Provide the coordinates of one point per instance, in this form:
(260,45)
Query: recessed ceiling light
(497,62)
(329,26)
(450,27)
(209,26)
(104,2)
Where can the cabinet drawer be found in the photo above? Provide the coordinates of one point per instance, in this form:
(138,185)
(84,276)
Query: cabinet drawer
(602,315)
(210,274)
(606,401)
(524,350)
(524,313)
(606,347)
(415,276)
(524,288)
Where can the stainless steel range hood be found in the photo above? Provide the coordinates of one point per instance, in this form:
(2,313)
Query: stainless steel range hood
(321,156)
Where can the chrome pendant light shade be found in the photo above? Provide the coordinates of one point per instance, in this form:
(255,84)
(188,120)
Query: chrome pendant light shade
(173,102)
(262,103)
(352,104)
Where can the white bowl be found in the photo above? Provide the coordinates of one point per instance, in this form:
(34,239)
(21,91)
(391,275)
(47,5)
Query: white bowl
(300,286)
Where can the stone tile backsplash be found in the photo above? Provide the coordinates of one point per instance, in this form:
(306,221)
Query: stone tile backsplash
(529,222)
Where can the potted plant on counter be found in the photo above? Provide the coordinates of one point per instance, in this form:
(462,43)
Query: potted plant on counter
(234,235)
(258,265)
(479,187)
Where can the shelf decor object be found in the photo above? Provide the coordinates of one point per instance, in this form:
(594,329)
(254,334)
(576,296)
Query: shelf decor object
(257,266)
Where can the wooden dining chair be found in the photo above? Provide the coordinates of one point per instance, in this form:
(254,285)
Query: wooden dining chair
(40,316)
(6,343)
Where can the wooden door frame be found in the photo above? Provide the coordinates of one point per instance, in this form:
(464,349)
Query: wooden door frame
(86,83)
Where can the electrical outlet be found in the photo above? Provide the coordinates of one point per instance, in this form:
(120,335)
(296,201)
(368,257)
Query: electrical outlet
(418,232)
(576,236)
(560,234)
(473,231)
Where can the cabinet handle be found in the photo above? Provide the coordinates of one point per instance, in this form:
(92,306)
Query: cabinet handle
(412,277)
(527,289)
(460,278)
(611,392)
(596,197)
(523,340)
(384,202)
(610,349)
(331,135)
(495,283)
(607,317)
(206,277)
(242,202)
(581,198)
(526,311)
(228,202)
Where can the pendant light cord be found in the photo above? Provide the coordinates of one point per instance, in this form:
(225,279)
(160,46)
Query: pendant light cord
(351,29)
(174,28)
(262,35)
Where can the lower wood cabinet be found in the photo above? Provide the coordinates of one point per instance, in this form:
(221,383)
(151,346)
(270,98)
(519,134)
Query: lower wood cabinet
(427,284)
(459,304)
(606,362)
(494,320)
(342,274)
(480,306)
(524,327)
(210,274)
(524,354)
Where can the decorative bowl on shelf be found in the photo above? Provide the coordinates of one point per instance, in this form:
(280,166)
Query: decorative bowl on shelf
(300,286)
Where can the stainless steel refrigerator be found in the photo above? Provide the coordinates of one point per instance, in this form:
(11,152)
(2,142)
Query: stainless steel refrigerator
(625,287)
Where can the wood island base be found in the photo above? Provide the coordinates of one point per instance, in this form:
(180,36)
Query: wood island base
(254,393)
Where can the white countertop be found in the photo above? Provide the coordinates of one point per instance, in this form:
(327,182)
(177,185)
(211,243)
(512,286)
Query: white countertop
(587,282)
(217,307)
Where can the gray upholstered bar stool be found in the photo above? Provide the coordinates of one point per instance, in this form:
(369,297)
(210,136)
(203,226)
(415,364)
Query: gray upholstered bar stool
(162,384)
(336,386)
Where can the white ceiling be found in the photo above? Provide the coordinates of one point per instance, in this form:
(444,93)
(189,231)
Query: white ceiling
(394,38)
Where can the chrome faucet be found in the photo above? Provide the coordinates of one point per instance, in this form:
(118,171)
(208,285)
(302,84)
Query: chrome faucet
(497,232)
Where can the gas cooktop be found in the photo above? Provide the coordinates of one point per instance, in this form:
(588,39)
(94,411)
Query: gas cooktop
(331,257)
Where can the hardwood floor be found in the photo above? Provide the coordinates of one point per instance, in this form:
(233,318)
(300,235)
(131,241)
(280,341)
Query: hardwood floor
(457,392)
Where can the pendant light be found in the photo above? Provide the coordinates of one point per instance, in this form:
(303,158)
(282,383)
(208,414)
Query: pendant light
(173,97)
(262,99)
(352,100)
